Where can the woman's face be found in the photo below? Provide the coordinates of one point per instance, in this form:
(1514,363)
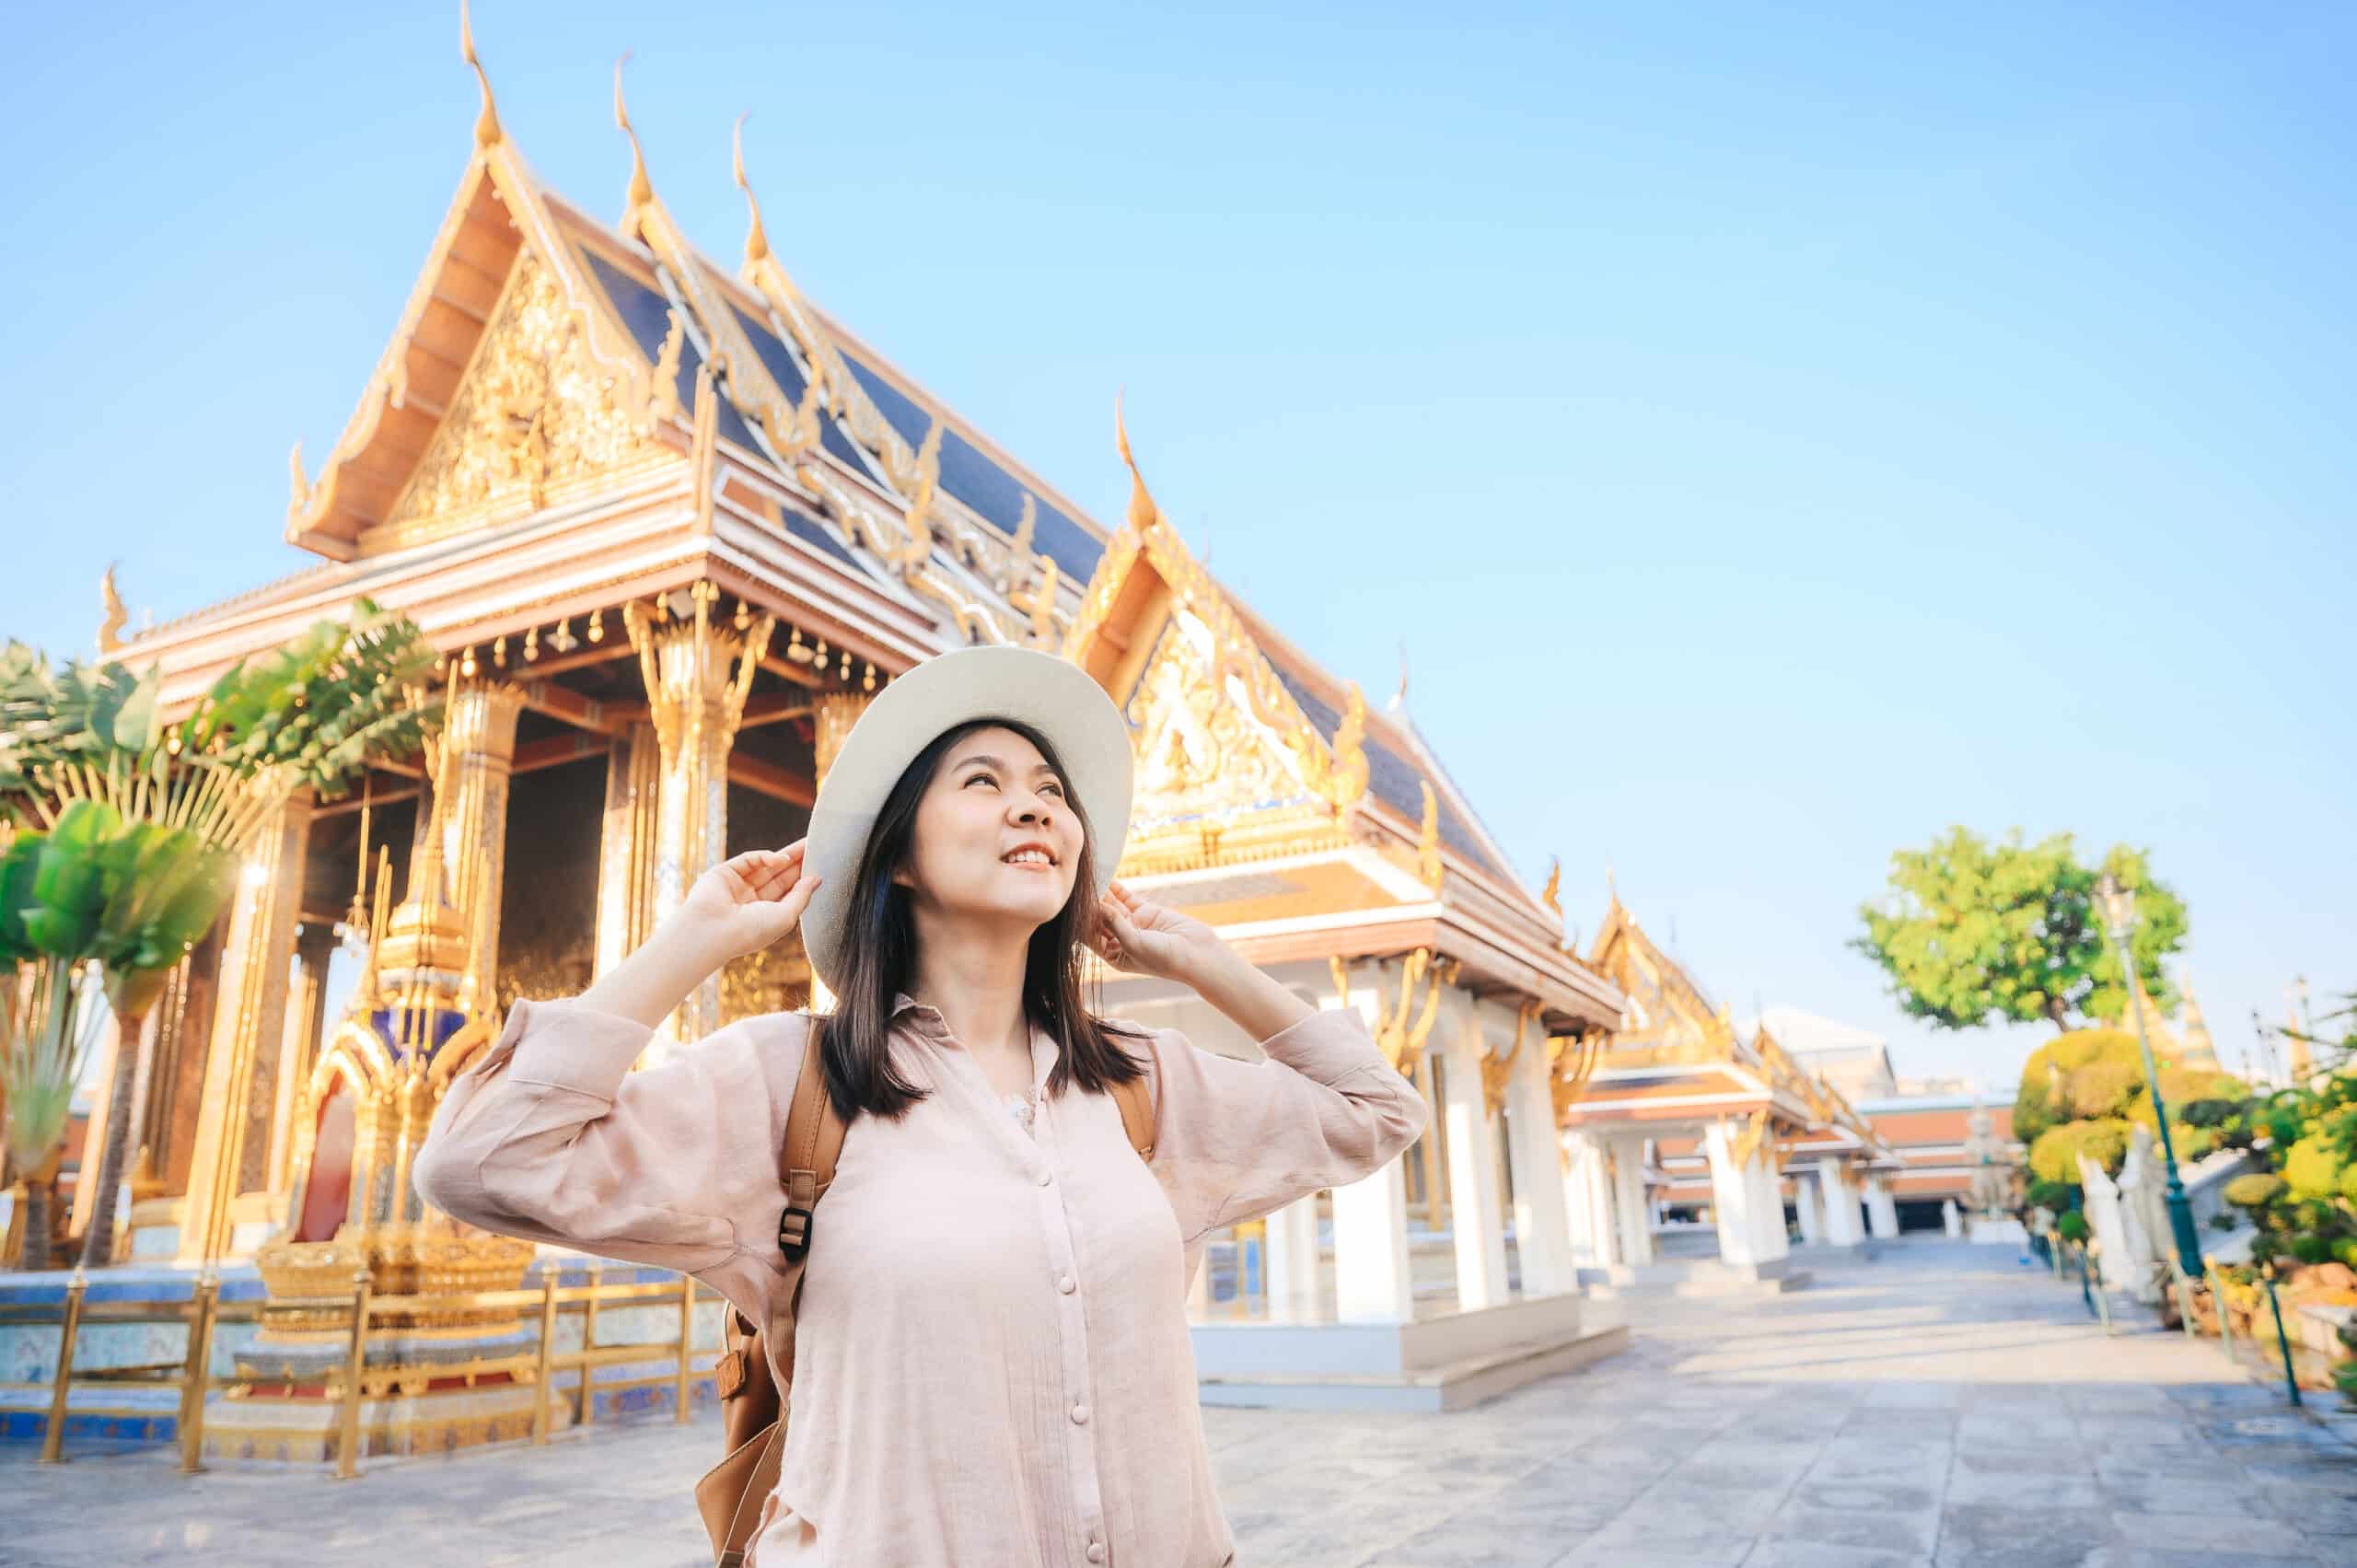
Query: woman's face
(997,837)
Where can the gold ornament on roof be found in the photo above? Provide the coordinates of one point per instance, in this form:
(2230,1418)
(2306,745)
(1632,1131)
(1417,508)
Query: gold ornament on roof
(1399,1040)
(487,132)
(1428,861)
(640,194)
(115,617)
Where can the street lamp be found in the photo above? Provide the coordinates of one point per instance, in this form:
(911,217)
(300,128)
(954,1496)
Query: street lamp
(2119,922)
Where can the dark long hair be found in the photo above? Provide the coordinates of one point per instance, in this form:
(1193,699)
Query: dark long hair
(880,950)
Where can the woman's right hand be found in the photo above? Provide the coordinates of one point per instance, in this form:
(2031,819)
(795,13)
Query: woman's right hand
(745,904)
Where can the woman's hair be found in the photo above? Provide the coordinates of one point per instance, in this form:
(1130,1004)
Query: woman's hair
(879,947)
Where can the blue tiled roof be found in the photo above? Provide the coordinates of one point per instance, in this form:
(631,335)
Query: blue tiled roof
(788,376)
(648,315)
(973,478)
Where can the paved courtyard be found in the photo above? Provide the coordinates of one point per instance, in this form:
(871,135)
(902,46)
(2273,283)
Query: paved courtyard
(1935,1405)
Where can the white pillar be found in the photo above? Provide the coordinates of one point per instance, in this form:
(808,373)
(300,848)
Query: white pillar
(1587,1195)
(1633,1212)
(1291,1261)
(1842,1223)
(1371,1279)
(1372,1282)
(1805,1199)
(1477,1215)
(1771,1242)
(1882,1215)
(1541,1229)
(1732,1195)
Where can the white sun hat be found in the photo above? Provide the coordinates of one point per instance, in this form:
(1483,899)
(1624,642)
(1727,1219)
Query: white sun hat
(1052,695)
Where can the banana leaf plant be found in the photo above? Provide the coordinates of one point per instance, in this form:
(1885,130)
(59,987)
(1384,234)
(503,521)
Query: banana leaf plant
(161,814)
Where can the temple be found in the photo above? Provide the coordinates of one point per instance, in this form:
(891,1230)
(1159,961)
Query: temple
(671,526)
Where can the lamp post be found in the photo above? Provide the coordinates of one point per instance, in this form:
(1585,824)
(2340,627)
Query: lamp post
(2120,917)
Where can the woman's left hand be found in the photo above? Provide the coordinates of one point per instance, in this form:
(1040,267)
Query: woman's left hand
(1139,936)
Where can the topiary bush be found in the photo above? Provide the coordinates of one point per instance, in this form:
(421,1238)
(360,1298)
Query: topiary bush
(2071,1227)
(2055,1155)
(2254,1192)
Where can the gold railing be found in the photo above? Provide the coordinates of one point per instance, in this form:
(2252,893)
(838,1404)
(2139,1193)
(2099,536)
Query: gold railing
(202,1312)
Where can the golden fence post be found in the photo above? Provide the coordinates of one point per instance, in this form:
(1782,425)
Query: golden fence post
(589,1341)
(196,1373)
(347,1442)
(52,1442)
(687,1332)
(548,1351)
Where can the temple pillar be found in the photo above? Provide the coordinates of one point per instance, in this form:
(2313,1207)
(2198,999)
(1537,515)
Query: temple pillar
(299,1048)
(1734,1195)
(1812,1213)
(831,716)
(233,1113)
(626,835)
(1372,1279)
(1289,1260)
(1841,1227)
(1773,1241)
(478,757)
(1882,1215)
(1477,1217)
(1630,1206)
(1541,1227)
(1587,1196)
(698,671)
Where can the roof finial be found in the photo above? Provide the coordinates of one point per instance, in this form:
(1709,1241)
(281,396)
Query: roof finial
(757,240)
(487,132)
(115,617)
(641,190)
(1144,514)
(1399,697)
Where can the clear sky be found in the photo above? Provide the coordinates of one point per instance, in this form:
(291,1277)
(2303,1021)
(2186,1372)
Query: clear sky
(1775,432)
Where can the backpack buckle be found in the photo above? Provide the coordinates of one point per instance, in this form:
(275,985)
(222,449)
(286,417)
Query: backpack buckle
(793,1232)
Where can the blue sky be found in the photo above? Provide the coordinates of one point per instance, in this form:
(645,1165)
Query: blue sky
(1774,435)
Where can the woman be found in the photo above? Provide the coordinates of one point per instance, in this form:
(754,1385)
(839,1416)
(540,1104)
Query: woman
(992,1366)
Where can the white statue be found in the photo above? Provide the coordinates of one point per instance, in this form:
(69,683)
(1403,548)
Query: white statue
(1951,1219)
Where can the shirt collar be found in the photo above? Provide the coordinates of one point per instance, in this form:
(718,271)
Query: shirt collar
(927,1017)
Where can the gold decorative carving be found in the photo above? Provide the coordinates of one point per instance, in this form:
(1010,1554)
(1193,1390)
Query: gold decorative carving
(1399,1040)
(1497,1072)
(1551,894)
(487,132)
(115,616)
(536,412)
(1428,861)
(1572,1062)
(664,402)
(1338,772)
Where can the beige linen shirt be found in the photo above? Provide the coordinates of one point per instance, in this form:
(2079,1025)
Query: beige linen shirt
(992,1368)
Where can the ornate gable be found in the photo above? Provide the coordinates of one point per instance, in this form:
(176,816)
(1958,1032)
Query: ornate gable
(1227,761)
(536,418)
(1666,1011)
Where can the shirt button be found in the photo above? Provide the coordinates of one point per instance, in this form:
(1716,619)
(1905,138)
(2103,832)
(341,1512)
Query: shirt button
(1046,1177)
(1067,1284)
(1080,1415)
(1096,1551)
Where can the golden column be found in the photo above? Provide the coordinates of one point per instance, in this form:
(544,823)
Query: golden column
(698,671)
(478,757)
(626,845)
(305,1017)
(833,714)
(249,1025)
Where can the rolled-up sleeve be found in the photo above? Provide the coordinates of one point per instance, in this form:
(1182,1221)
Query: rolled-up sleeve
(551,1137)
(1235,1140)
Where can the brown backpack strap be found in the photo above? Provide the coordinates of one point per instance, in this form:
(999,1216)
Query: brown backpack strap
(814,1140)
(1135,1097)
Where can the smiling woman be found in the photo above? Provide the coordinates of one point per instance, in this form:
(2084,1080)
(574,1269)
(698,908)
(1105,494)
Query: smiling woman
(988,1337)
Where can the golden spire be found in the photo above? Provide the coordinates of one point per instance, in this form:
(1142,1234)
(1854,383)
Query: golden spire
(299,487)
(641,190)
(1145,515)
(1552,894)
(487,132)
(757,239)
(110,626)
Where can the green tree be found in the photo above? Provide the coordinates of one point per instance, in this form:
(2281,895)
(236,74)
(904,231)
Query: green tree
(1971,932)
(160,815)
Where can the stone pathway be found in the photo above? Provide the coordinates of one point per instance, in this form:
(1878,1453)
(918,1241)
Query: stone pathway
(1935,1405)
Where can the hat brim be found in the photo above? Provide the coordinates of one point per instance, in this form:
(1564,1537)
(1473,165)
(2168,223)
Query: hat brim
(1050,695)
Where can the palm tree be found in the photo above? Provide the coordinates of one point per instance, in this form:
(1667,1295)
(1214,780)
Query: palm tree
(163,813)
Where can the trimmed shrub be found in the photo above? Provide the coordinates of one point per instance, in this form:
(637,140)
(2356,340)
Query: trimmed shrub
(2254,1192)
(2055,1155)
(2071,1227)
(2312,1168)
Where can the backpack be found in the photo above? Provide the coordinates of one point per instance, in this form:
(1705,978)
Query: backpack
(752,1406)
